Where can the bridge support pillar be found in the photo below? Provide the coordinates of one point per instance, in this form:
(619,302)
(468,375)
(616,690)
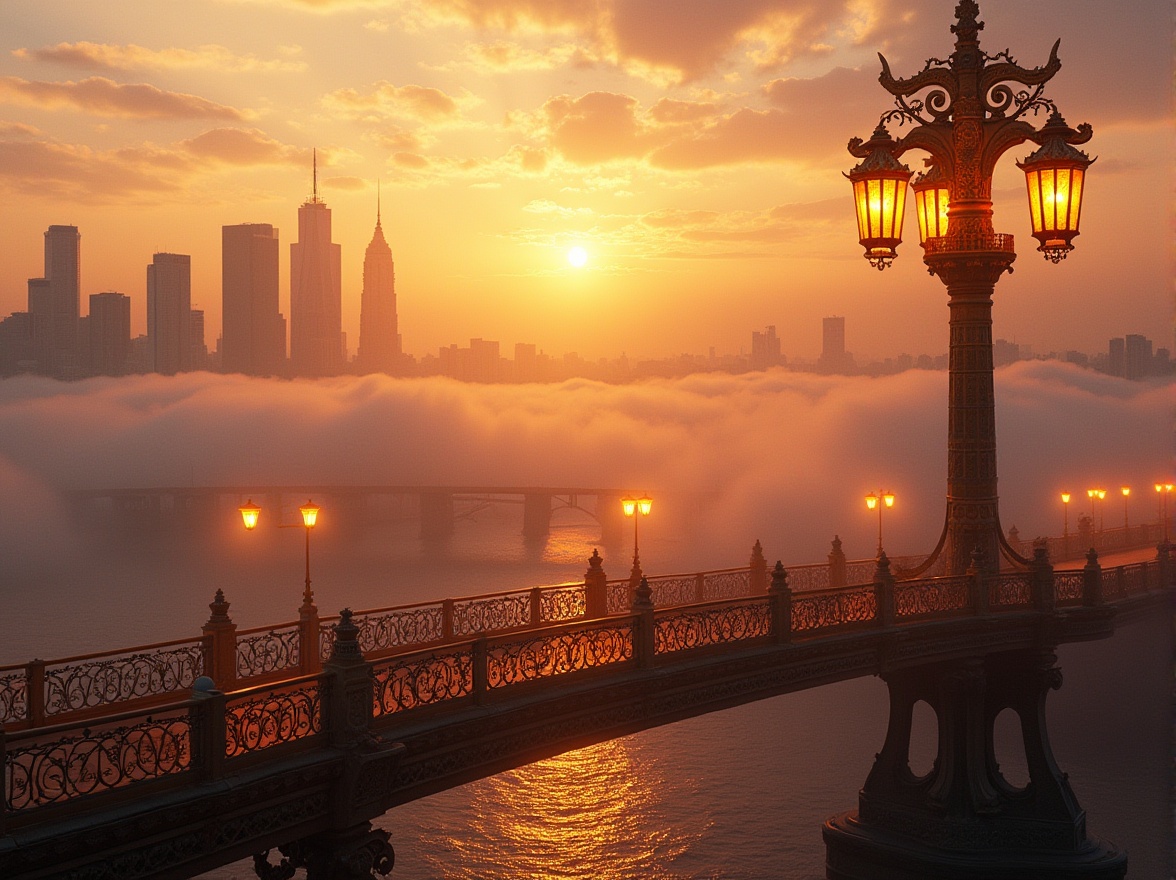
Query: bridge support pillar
(536,515)
(963,820)
(436,516)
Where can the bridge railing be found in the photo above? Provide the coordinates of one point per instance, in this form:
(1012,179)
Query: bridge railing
(40,692)
(62,768)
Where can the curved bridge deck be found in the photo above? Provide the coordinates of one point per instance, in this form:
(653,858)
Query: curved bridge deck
(180,786)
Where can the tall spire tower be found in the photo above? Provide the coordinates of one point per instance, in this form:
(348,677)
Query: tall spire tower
(316,300)
(379,339)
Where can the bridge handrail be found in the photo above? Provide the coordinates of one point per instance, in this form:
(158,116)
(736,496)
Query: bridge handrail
(65,762)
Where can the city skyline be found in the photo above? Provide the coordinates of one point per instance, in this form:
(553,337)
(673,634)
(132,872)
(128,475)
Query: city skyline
(505,135)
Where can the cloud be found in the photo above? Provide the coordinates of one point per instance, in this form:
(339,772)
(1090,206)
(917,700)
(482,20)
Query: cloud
(387,100)
(108,56)
(104,97)
(43,168)
(236,146)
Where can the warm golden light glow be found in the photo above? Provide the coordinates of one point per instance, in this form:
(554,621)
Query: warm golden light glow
(1126,490)
(633,506)
(250,512)
(931,201)
(889,499)
(879,195)
(309,514)
(1055,177)
(871,501)
(1065,498)
(578,257)
(1102,493)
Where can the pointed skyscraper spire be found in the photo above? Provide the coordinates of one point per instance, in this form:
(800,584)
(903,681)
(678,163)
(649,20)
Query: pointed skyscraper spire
(314,159)
(377,202)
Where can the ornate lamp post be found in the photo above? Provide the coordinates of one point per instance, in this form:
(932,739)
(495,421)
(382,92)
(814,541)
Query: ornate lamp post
(1065,525)
(877,501)
(965,114)
(636,508)
(250,513)
(1163,490)
(1126,490)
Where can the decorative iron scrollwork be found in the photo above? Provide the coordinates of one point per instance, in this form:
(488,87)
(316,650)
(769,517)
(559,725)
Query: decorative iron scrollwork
(475,616)
(833,608)
(556,654)
(1009,591)
(267,652)
(712,626)
(277,717)
(421,680)
(94,761)
(14,696)
(86,684)
(561,603)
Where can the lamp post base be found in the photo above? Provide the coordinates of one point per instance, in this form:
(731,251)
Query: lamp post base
(855,851)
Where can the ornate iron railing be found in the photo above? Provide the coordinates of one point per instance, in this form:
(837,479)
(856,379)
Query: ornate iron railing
(264,651)
(261,718)
(66,762)
(54,765)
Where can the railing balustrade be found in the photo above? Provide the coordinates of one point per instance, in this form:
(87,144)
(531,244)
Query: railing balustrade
(210,733)
(42,692)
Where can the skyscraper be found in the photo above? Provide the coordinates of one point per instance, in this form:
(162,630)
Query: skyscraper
(110,333)
(834,358)
(379,341)
(765,349)
(316,297)
(253,335)
(169,313)
(55,303)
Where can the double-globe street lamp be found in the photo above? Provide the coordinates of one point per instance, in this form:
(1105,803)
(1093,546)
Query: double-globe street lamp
(966,112)
(636,508)
(877,501)
(251,513)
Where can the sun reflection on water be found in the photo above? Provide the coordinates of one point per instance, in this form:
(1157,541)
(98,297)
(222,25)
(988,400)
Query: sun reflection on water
(592,813)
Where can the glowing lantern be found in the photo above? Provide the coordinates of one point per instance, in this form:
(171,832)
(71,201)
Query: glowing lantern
(879,194)
(309,514)
(1055,175)
(931,199)
(249,514)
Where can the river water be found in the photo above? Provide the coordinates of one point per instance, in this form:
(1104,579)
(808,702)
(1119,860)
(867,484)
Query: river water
(736,794)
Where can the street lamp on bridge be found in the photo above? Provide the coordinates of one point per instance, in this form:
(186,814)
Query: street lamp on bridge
(1065,525)
(877,501)
(965,112)
(251,513)
(636,508)
(1126,490)
(1163,490)
(1096,495)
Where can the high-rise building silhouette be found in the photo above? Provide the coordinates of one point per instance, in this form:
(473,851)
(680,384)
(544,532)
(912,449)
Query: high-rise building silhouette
(253,331)
(109,327)
(765,349)
(198,350)
(316,295)
(55,303)
(1137,356)
(379,339)
(834,358)
(169,313)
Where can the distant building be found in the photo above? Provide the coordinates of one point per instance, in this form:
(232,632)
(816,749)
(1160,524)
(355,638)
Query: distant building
(17,352)
(1117,358)
(169,313)
(1005,353)
(109,327)
(379,337)
(1137,356)
(834,358)
(55,303)
(765,349)
(198,351)
(253,331)
(316,297)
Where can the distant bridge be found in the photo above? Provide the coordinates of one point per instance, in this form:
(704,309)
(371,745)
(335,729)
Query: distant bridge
(133,766)
(438,507)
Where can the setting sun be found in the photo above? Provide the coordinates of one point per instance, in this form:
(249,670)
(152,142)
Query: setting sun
(578,257)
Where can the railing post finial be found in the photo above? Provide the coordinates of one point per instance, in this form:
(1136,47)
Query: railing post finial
(1092,593)
(836,564)
(346,650)
(595,587)
(220,644)
(780,599)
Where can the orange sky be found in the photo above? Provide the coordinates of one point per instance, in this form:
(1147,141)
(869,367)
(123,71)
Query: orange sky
(694,148)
